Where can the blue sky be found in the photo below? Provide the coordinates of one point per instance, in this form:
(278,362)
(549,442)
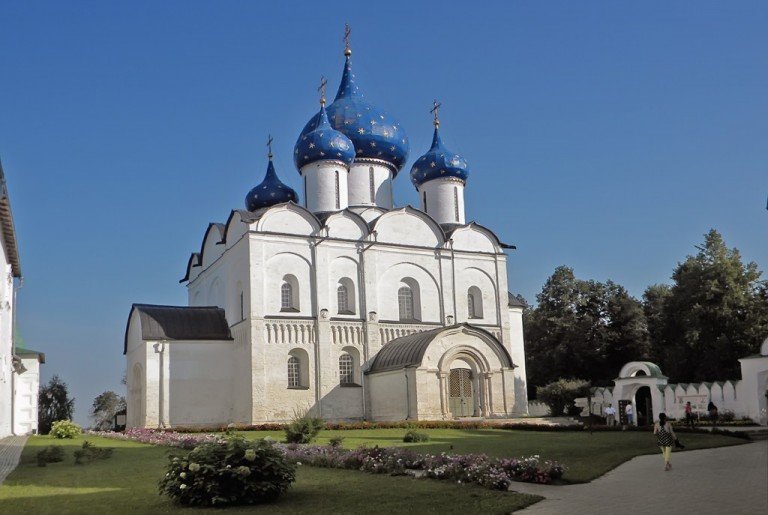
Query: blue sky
(607,136)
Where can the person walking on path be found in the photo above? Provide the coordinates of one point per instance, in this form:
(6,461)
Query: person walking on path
(628,411)
(665,437)
(610,415)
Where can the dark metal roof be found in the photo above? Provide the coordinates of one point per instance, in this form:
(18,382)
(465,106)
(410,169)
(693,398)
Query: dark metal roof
(408,351)
(180,323)
(9,231)
(29,353)
(516,301)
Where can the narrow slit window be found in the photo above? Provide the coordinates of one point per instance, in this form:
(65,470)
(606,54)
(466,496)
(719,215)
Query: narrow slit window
(456,202)
(372,185)
(338,204)
(405,303)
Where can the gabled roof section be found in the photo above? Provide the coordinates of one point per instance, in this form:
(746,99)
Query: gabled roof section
(180,323)
(450,228)
(516,301)
(29,353)
(194,260)
(8,228)
(408,351)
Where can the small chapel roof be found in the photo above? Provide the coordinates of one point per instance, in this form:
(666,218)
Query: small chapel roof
(408,351)
(180,323)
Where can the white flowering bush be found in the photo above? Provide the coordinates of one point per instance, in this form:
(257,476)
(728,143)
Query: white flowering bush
(65,429)
(229,472)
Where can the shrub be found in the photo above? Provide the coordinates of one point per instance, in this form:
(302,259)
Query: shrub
(303,428)
(415,436)
(561,394)
(336,441)
(51,454)
(90,452)
(65,429)
(727,416)
(234,471)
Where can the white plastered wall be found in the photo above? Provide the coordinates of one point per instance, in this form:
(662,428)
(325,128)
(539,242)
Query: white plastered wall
(445,200)
(326,186)
(6,341)
(370,184)
(27,385)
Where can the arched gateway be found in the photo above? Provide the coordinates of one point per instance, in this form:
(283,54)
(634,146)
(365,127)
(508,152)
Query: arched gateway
(449,372)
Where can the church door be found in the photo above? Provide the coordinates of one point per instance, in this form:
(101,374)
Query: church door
(461,401)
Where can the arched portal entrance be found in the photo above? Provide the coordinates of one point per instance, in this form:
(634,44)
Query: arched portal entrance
(644,406)
(461,400)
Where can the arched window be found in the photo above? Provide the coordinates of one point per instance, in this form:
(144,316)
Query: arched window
(425,201)
(342,298)
(405,302)
(345,296)
(337,190)
(294,372)
(289,294)
(456,202)
(286,296)
(346,369)
(474,303)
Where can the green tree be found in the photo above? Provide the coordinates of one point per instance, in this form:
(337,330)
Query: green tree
(582,328)
(105,406)
(715,312)
(53,404)
(561,394)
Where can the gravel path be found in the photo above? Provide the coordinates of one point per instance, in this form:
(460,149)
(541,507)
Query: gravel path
(10,452)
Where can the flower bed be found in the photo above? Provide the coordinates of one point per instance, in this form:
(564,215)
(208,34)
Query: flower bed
(160,437)
(494,473)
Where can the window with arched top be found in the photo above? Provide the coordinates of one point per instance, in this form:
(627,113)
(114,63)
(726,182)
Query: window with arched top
(294,372)
(342,299)
(405,302)
(289,294)
(345,296)
(474,303)
(409,300)
(346,369)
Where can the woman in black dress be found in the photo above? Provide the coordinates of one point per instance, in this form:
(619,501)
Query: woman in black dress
(665,436)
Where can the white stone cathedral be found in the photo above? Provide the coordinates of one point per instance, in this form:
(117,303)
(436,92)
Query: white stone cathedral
(344,305)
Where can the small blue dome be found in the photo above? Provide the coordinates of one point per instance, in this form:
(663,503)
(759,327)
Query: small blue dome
(437,163)
(323,142)
(374,133)
(270,192)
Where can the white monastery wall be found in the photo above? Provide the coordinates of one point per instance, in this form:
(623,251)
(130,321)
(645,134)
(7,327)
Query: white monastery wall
(444,200)
(370,184)
(389,395)
(325,186)
(27,385)
(6,341)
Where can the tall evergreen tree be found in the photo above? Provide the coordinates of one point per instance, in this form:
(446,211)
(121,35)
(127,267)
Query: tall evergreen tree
(53,404)
(715,313)
(582,329)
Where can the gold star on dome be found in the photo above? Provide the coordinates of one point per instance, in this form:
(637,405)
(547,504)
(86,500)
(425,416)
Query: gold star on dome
(361,130)
(373,122)
(311,145)
(373,144)
(432,164)
(392,148)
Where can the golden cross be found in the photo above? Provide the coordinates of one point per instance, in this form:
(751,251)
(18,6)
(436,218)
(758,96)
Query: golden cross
(347,32)
(269,146)
(321,89)
(435,108)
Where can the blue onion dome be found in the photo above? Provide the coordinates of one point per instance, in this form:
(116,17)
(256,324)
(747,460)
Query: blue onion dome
(374,133)
(438,162)
(321,143)
(270,191)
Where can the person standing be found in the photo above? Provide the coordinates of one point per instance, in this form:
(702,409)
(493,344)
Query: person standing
(665,438)
(689,415)
(629,412)
(610,415)
(712,413)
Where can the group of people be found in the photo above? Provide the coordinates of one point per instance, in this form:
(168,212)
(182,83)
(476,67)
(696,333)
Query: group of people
(665,434)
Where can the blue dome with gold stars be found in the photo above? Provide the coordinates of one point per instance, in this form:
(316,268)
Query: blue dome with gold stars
(438,162)
(323,142)
(374,133)
(270,192)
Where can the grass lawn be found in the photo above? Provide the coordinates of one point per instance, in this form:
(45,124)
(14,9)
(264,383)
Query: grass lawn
(127,483)
(586,456)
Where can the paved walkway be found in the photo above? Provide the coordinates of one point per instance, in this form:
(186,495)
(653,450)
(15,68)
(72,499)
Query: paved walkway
(731,480)
(10,452)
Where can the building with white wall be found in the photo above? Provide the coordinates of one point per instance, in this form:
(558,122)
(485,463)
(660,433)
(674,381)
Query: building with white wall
(344,305)
(646,387)
(19,368)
